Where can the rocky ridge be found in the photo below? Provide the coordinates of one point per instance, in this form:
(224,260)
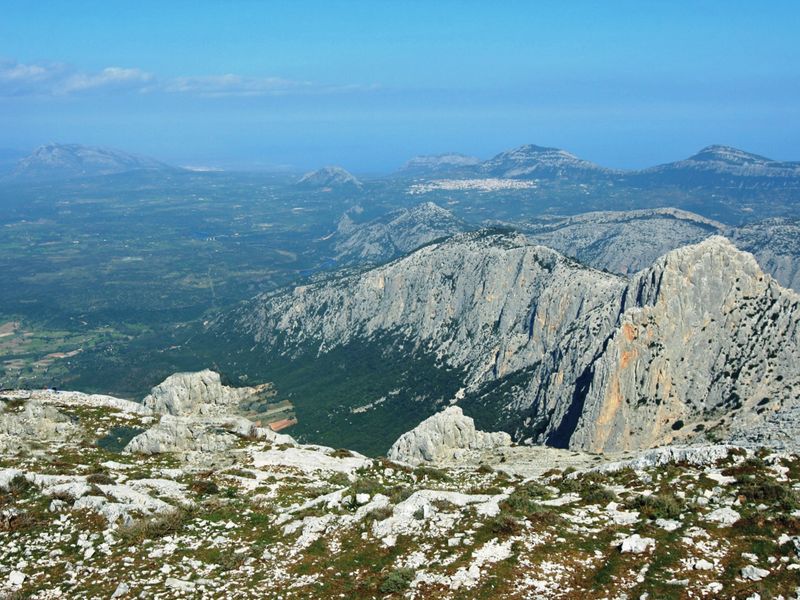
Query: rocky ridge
(715,165)
(56,161)
(725,160)
(622,242)
(599,362)
(394,235)
(628,241)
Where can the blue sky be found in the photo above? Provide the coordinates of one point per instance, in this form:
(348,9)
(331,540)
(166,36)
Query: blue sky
(368,84)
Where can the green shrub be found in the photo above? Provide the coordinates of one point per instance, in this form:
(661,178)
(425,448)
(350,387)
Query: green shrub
(341,453)
(524,500)
(241,473)
(431,473)
(659,506)
(590,487)
(204,487)
(366,485)
(400,493)
(19,485)
(397,581)
(503,524)
(157,526)
(339,480)
(761,488)
(380,514)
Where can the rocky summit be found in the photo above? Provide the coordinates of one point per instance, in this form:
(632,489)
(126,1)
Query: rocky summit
(452,513)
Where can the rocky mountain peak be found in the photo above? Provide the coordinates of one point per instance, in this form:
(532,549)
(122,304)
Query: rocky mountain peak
(539,161)
(726,161)
(728,154)
(329,177)
(393,235)
(714,247)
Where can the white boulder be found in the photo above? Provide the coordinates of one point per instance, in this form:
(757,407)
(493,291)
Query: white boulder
(637,544)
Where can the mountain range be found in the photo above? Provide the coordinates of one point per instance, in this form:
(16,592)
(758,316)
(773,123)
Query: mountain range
(66,161)
(621,242)
(552,351)
(713,165)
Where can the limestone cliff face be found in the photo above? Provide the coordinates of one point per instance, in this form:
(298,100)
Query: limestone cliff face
(489,302)
(704,332)
(600,362)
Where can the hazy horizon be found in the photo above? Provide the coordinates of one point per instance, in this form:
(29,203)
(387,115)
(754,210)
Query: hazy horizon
(368,86)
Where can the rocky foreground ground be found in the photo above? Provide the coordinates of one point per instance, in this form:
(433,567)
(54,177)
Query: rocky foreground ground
(106,498)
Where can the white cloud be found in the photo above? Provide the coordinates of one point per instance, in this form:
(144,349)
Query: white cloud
(110,77)
(58,79)
(235,85)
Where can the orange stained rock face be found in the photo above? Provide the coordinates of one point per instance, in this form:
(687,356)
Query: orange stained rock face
(626,358)
(629,331)
(612,403)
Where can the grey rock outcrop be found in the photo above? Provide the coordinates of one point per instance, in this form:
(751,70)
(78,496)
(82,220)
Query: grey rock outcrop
(199,414)
(700,455)
(176,434)
(442,437)
(599,362)
(36,420)
(199,393)
(35,423)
